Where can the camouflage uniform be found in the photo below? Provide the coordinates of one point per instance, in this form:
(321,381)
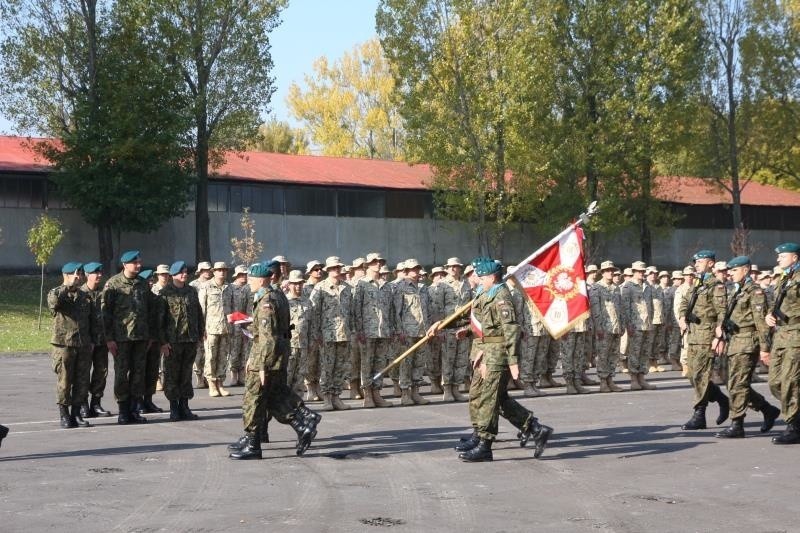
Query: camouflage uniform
(126,322)
(74,325)
(658,342)
(372,315)
(608,318)
(571,350)
(411,321)
(99,356)
(679,302)
(181,324)
(784,361)
(455,353)
(672,332)
(331,304)
(200,356)
(152,360)
(299,317)
(239,343)
(435,347)
(310,368)
(217,303)
(637,307)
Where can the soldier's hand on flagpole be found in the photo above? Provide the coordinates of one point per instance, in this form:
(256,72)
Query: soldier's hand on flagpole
(112,348)
(434,329)
(514,369)
(262,376)
(166,348)
(764,356)
(462,333)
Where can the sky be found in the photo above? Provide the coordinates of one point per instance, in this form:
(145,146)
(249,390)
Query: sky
(310,29)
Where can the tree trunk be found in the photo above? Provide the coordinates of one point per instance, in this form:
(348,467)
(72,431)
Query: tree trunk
(41,298)
(733,149)
(645,236)
(105,244)
(202,239)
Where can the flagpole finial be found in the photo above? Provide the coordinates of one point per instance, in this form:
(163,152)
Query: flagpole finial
(590,211)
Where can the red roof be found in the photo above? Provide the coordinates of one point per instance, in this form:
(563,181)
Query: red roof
(17,156)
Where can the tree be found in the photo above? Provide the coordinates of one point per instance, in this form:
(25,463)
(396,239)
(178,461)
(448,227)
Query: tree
(247,249)
(346,107)
(43,238)
(221,48)
(278,136)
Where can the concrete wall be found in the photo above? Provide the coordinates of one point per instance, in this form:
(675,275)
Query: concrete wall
(302,238)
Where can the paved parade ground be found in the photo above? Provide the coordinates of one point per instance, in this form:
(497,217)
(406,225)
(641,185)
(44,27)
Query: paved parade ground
(617,462)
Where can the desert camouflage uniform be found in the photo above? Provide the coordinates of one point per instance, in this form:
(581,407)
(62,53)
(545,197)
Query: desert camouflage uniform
(435,346)
(680,301)
(332,315)
(608,318)
(637,307)
(672,332)
(372,315)
(217,303)
(532,355)
(571,350)
(455,352)
(239,342)
(411,322)
(658,342)
(299,317)
(73,327)
(200,356)
(310,367)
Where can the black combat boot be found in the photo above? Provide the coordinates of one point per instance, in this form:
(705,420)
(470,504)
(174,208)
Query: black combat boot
(734,431)
(135,412)
(124,416)
(698,420)
(527,430)
(724,405)
(771,414)
(305,432)
(66,420)
(174,411)
(186,413)
(86,412)
(790,436)
(240,443)
(149,407)
(76,415)
(96,408)
(3,433)
(540,438)
(470,443)
(481,452)
(251,449)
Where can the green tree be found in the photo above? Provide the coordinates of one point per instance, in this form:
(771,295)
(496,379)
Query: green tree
(222,50)
(43,238)
(278,136)
(346,106)
(247,249)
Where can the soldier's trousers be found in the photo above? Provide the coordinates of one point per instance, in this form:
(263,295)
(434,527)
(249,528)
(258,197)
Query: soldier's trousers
(200,359)
(355,348)
(540,362)
(528,345)
(216,356)
(623,347)
(489,399)
(413,366)
(700,360)
(657,343)
(274,397)
(129,370)
(607,350)
(640,345)
(433,367)
(152,364)
(455,358)
(99,359)
(553,353)
(178,371)
(674,342)
(293,375)
(238,347)
(374,356)
(334,365)
(71,365)
(310,367)
(784,371)
(571,347)
(589,350)
(740,374)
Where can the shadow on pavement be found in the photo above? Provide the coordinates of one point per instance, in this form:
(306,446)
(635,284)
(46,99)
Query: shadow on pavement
(152,448)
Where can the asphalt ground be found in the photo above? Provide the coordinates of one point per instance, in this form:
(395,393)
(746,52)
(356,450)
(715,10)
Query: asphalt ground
(617,462)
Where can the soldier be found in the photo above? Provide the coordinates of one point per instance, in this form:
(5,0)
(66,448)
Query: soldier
(434,347)
(455,293)
(743,336)
(283,273)
(637,305)
(73,325)
(617,278)
(608,319)
(203,273)
(181,326)
(265,384)
(673,330)
(494,360)
(385,273)
(410,321)
(330,302)
(627,274)
(681,298)
(311,368)
(299,317)
(162,280)
(783,360)
(657,333)
(699,314)
(216,300)
(356,273)
(372,316)
(588,335)
(153,364)
(239,341)
(99,360)
(126,324)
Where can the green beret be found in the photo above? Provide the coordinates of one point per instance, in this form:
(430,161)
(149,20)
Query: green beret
(788,247)
(260,270)
(738,261)
(486,266)
(129,256)
(176,268)
(71,267)
(704,254)
(93,267)
(145,274)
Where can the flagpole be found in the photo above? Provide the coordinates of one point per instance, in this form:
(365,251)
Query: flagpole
(582,219)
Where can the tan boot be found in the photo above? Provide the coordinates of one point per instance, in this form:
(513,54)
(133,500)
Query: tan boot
(635,382)
(571,389)
(604,386)
(448,393)
(436,385)
(234,378)
(327,404)
(684,370)
(397,391)
(613,387)
(464,387)
(201,382)
(624,364)
(578,386)
(586,380)
(159,385)
(355,391)
(530,390)
(369,400)
(378,399)
(405,397)
(676,365)
(212,388)
(644,384)
(545,381)
(555,382)
(221,390)
(419,400)
(338,404)
(457,396)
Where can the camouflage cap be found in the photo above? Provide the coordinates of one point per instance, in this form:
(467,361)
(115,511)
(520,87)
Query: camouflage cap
(688,271)
(720,266)
(280,259)
(295,276)
(438,270)
(359,262)
(220,265)
(628,271)
(607,265)
(240,269)
(346,269)
(591,268)
(375,256)
(469,269)
(332,262)
(453,261)
(410,264)
(651,270)
(313,263)
(677,274)
(384,270)
(162,269)
(638,266)
(663,274)
(203,265)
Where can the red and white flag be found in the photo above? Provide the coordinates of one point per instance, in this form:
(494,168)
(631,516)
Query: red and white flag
(554,281)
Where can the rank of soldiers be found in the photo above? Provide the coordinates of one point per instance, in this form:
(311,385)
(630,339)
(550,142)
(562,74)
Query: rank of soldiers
(284,334)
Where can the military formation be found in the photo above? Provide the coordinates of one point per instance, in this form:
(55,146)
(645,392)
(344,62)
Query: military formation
(291,337)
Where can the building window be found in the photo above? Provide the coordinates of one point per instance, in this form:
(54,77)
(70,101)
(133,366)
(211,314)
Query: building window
(310,201)
(217,197)
(404,204)
(361,203)
(22,192)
